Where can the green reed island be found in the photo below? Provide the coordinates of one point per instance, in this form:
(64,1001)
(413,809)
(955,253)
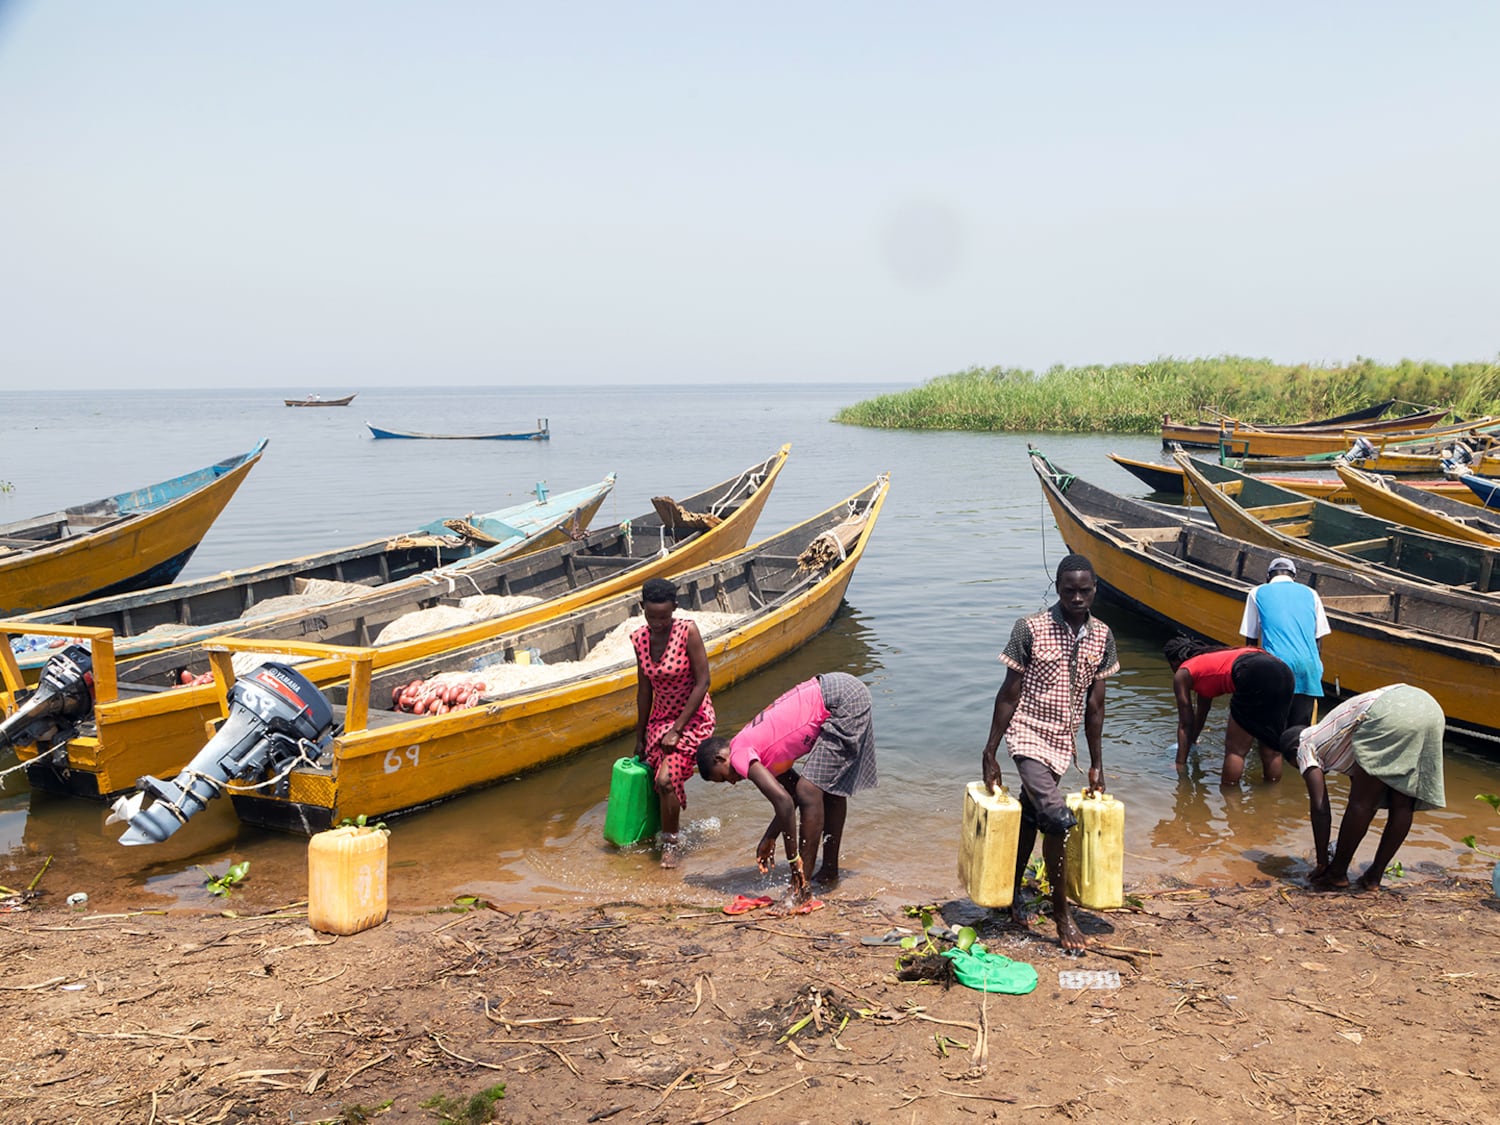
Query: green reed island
(1132,397)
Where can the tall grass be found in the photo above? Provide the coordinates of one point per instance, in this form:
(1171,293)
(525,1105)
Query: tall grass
(1132,397)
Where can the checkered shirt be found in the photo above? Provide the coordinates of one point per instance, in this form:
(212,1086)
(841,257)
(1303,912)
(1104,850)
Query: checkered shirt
(1058,667)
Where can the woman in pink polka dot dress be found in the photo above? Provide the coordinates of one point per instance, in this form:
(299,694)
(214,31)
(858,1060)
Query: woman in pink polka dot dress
(673,711)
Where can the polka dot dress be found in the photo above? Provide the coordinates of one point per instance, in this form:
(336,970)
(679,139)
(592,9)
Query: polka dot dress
(671,683)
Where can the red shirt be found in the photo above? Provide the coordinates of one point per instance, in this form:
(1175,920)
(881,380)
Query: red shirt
(1211,671)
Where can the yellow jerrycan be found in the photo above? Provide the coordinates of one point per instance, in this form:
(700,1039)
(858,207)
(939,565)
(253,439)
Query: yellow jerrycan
(1095,851)
(346,880)
(987,851)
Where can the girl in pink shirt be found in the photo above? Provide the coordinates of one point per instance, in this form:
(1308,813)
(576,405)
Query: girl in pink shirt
(808,752)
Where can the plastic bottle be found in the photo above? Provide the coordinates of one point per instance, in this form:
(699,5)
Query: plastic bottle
(634,811)
(346,880)
(1095,851)
(987,851)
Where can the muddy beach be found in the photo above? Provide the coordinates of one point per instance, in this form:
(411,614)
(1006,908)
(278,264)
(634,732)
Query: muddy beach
(1263,1001)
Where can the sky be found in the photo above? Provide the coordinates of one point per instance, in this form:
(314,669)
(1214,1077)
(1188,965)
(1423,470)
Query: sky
(354,194)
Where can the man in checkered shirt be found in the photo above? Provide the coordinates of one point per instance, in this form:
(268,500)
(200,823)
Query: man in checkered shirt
(1055,666)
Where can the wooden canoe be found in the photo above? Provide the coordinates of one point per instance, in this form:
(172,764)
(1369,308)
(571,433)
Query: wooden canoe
(317,400)
(150,724)
(1168,479)
(1368,420)
(183,615)
(385,762)
(1385,630)
(542,433)
(1422,509)
(1486,492)
(1421,440)
(120,543)
(1248,508)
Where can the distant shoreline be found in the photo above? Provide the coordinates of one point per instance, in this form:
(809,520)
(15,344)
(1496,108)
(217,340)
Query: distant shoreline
(1132,397)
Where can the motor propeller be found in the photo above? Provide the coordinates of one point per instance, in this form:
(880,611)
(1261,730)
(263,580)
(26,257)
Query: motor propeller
(277,719)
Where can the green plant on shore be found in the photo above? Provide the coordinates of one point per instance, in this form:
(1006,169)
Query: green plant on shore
(222,885)
(362,821)
(1473,841)
(1132,397)
(6,486)
(476,1110)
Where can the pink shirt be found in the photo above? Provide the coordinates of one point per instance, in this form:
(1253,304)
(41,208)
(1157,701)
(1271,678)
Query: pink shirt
(781,733)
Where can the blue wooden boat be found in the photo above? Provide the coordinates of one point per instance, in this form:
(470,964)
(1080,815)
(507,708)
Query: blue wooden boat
(1486,489)
(541,433)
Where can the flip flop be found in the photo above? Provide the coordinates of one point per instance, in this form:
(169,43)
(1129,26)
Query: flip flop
(743,903)
(890,937)
(807,907)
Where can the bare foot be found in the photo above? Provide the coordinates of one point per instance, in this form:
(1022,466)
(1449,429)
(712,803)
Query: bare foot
(1021,916)
(671,855)
(1069,936)
(826,876)
(1327,881)
(1365,884)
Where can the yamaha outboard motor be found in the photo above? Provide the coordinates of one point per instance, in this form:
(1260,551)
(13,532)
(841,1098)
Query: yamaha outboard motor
(277,718)
(62,700)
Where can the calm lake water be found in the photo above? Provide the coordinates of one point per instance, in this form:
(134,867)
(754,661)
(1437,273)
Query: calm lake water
(965,546)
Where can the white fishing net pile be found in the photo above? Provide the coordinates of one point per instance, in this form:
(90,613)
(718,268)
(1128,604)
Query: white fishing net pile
(502,678)
(481,607)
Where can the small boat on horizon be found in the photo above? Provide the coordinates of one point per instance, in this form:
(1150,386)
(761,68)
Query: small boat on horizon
(541,433)
(319,400)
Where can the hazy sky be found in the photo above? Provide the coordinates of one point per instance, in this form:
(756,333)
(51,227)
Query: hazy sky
(340,195)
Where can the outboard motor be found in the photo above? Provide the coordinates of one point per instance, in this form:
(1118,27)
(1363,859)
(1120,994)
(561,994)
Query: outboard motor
(63,699)
(276,719)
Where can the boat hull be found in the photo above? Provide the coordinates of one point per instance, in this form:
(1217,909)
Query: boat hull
(143,723)
(160,528)
(542,433)
(1434,515)
(1248,508)
(1193,577)
(423,760)
(1365,421)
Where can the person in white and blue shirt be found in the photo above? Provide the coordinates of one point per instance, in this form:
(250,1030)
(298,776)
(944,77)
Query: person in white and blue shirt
(1286,619)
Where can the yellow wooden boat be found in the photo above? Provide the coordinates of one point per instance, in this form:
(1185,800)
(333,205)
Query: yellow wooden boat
(145,720)
(1368,420)
(124,542)
(262,597)
(777,594)
(1385,630)
(1168,479)
(1437,515)
(1264,444)
(1248,508)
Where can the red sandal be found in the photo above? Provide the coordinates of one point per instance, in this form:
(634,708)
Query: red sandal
(744,903)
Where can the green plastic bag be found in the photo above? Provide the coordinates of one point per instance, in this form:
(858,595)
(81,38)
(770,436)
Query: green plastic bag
(980,969)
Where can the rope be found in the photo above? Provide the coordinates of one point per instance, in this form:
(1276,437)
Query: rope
(42,757)
(750,475)
(303,745)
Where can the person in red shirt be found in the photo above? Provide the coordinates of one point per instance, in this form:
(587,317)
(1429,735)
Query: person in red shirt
(1259,687)
(823,728)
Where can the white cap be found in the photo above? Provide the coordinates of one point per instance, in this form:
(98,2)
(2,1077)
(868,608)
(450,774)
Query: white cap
(1281,562)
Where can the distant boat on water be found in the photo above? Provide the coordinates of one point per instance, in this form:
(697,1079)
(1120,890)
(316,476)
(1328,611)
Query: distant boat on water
(541,433)
(319,400)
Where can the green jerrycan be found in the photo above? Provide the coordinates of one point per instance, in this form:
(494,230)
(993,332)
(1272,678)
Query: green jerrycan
(633,813)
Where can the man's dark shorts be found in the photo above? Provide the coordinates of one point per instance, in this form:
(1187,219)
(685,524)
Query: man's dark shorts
(1043,805)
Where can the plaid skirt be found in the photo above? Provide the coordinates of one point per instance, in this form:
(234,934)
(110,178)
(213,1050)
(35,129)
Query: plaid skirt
(842,759)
